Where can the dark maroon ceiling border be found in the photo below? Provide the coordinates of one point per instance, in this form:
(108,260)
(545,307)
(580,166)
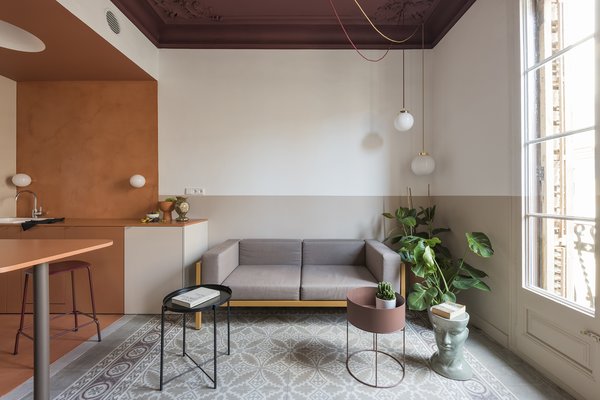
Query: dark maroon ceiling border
(238,26)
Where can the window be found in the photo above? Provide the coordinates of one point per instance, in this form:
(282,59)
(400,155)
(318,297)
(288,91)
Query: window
(559,149)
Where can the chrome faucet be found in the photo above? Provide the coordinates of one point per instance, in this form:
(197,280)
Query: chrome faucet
(35,212)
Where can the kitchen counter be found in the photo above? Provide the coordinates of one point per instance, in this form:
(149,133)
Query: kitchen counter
(114,223)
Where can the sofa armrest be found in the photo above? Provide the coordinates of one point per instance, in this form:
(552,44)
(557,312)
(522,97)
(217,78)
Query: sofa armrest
(385,265)
(220,261)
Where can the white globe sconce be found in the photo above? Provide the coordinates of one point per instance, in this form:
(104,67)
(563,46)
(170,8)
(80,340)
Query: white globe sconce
(137,181)
(21,180)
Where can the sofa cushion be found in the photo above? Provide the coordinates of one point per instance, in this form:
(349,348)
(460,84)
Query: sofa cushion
(333,252)
(331,282)
(270,252)
(264,282)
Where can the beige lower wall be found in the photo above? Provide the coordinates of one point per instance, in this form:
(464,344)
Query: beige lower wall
(499,218)
(8,145)
(360,217)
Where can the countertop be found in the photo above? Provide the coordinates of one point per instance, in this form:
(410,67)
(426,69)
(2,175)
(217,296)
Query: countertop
(17,254)
(114,223)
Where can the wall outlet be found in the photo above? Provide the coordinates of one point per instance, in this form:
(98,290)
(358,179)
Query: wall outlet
(193,191)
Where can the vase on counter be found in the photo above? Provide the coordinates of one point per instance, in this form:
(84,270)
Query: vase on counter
(167,208)
(181,208)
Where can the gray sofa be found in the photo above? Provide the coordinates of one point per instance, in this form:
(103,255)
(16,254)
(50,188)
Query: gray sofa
(303,271)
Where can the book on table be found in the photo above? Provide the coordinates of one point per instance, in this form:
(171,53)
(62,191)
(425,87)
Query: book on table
(195,297)
(448,310)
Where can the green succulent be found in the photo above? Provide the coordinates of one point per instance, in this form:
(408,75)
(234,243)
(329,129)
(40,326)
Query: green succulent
(385,291)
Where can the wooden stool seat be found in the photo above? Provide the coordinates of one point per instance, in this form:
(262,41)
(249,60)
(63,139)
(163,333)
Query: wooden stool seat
(54,269)
(63,266)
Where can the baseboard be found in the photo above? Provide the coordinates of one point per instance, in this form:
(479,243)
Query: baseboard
(489,329)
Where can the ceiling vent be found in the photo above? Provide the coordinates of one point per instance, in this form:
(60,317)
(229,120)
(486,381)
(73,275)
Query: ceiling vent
(113,22)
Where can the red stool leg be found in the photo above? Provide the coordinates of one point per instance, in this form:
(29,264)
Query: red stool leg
(94,304)
(20,331)
(74,303)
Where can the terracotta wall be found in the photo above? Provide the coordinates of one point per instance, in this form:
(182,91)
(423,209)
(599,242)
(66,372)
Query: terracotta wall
(81,141)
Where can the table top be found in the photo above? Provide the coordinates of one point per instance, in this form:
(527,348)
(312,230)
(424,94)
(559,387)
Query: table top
(18,254)
(217,301)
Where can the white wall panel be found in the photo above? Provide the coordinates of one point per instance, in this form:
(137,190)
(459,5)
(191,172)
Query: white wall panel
(285,122)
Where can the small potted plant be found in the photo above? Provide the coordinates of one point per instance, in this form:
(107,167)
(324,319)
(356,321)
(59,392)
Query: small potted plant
(385,296)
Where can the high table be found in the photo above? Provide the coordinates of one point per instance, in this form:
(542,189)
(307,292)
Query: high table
(16,254)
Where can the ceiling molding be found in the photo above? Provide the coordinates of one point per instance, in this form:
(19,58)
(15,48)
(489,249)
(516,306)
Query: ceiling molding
(275,24)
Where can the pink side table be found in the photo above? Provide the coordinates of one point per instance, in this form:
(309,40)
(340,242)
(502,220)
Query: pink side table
(361,313)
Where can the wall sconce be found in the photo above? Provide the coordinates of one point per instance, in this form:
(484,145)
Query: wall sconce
(137,181)
(21,180)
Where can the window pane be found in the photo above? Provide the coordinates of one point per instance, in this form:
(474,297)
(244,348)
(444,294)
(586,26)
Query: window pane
(561,93)
(561,179)
(553,25)
(561,259)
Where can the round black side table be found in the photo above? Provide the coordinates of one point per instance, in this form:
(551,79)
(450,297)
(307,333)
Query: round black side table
(168,305)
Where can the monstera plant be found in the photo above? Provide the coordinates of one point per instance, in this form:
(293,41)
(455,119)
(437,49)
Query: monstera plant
(420,246)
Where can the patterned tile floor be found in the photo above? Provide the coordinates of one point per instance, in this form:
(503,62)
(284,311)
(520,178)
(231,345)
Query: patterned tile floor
(285,354)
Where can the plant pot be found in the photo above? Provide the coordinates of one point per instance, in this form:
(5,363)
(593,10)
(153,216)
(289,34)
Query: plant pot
(167,208)
(380,303)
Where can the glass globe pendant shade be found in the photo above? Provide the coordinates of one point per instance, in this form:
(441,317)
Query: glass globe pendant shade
(21,180)
(423,164)
(404,121)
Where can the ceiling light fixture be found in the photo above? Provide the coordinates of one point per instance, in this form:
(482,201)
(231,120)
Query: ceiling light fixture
(15,38)
(423,163)
(404,121)
(376,30)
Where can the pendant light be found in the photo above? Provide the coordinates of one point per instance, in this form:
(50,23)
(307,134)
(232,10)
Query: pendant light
(423,163)
(404,121)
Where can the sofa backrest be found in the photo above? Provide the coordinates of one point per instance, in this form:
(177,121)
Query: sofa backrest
(271,252)
(333,252)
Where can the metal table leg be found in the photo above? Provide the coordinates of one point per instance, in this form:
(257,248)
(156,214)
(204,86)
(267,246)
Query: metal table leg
(41,330)
(215,344)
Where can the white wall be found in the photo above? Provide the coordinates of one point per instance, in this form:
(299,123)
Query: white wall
(473,69)
(8,145)
(476,145)
(286,122)
(130,41)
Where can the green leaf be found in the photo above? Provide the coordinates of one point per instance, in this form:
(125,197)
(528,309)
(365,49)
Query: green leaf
(480,244)
(429,257)
(420,298)
(419,269)
(449,296)
(463,282)
(472,271)
(409,221)
(435,231)
(388,215)
(433,241)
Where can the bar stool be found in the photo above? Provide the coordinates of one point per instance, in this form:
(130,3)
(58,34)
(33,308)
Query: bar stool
(54,269)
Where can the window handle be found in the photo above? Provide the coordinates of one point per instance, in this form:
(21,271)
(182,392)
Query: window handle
(591,334)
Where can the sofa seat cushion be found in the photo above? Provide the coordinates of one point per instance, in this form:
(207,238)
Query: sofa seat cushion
(332,282)
(333,252)
(264,282)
